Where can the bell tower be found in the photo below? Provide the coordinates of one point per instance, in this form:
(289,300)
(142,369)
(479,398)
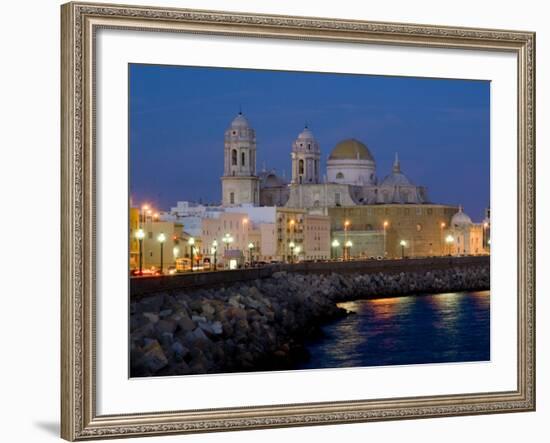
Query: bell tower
(306,159)
(240,184)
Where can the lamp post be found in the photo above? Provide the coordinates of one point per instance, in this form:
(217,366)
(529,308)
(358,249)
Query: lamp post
(291,245)
(297,251)
(191,243)
(346,226)
(386,224)
(449,240)
(250,248)
(214,251)
(441,227)
(140,236)
(403,244)
(335,246)
(349,244)
(161,239)
(227,240)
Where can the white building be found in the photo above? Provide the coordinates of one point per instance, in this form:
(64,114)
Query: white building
(190,215)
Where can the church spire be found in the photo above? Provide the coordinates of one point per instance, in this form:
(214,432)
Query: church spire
(396,164)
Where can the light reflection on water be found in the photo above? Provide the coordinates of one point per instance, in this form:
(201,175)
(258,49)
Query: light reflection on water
(438,328)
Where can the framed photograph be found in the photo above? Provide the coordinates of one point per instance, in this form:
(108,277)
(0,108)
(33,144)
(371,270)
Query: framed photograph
(277,221)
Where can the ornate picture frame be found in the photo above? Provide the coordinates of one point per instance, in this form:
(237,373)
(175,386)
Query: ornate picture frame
(80,22)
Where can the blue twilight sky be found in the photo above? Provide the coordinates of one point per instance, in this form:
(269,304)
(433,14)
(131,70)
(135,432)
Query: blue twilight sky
(178,116)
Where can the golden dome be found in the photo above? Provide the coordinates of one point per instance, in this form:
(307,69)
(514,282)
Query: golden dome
(350,149)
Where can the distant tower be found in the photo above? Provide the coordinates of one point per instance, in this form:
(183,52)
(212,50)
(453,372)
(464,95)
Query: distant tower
(306,158)
(240,184)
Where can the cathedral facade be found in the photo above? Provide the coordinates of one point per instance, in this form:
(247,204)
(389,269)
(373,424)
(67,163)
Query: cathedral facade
(376,217)
(350,178)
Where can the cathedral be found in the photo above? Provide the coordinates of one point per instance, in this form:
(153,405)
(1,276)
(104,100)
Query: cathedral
(388,217)
(350,178)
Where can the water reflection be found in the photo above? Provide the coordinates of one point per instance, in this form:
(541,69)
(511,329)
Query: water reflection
(450,327)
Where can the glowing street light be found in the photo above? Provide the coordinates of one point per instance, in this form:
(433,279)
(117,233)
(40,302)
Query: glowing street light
(140,235)
(335,245)
(227,240)
(291,245)
(191,243)
(214,252)
(297,250)
(449,240)
(386,224)
(161,239)
(403,244)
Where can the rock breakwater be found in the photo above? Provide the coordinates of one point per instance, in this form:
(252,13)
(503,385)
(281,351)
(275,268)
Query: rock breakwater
(262,324)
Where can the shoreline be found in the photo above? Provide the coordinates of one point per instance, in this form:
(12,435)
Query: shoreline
(263,324)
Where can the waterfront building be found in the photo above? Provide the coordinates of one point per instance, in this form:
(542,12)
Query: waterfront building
(174,245)
(379,230)
(190,215)
(465,237)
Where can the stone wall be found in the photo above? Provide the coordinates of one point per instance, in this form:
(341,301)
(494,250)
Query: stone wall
(261,324)
(140,286)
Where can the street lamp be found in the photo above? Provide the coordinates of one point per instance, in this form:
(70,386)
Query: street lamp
(335,246)
(297,251)
(403,244)
(250,248)
(442,226)
(140,235)
(214,251)
(161,239)
(349,244)
(291,245)
(386,224)
(191,243)
(449,240)
(227,240)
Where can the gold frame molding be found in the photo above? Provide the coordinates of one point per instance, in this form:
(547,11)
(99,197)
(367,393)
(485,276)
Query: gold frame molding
(79,22)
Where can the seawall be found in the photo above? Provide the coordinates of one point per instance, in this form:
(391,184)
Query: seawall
(140,286)
(261,324)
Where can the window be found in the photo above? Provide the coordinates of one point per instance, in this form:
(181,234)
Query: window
(340,176)
(300,166)
(243,158)
(418,211)
(149,235)
(232,198)
(337,200)
(234,157)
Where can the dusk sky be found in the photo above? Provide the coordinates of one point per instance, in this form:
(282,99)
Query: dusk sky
(178,116)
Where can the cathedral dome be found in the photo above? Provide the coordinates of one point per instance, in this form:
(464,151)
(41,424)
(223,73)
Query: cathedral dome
(396,178)
(306,134)
(461,218)
(351,149)
(240,122)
